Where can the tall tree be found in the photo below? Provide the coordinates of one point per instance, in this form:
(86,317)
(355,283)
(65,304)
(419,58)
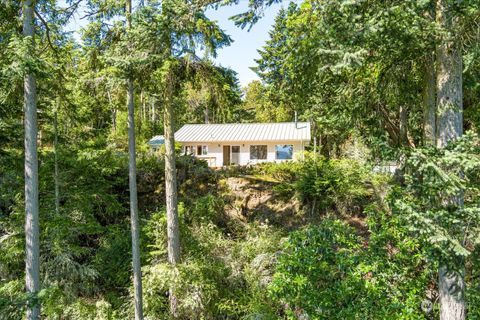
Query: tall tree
(132,169)
(429,101)
(450,128)
(182,26)
(32,250)
(173,230)
(55,151)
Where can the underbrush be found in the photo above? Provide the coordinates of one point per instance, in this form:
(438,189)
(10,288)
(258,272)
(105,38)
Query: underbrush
(85,247)
(221,275)
(327,271)
(340,185)
(353,258)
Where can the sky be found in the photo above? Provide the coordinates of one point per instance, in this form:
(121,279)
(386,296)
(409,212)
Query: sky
(240,55)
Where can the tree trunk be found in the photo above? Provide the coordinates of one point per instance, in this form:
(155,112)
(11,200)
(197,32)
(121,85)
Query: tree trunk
(429,103)
(449,82)
(153,113)
(132,179)
(114,112)
(144,110)
(449,128)
(403,127)
(32,249)
(451,290)
(173,232)
(206,114)
(55,152)
(144,106)
(142,102)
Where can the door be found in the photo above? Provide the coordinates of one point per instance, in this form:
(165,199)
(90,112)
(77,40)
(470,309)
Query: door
(226,155)
(235,154)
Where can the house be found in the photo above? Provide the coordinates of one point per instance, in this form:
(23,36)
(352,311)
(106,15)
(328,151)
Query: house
(244,143)
(156,142)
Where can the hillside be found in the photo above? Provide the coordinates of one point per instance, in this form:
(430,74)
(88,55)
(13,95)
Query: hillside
(316,239)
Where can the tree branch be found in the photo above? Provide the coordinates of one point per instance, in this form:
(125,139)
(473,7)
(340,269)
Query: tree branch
(47,30)
(71,10)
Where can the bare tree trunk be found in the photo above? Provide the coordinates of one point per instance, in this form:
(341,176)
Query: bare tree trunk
(403,127)
(132,165)
(451,287)
(449,82)
(55,152)
(32,233)
(173,232)
(144,110)
(449,128)
(114,112)
(132,178)
(144,106)
(429,103)
(142,102)
(153,113)
(206,112)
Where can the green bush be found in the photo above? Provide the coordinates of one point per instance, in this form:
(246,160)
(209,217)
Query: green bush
(332,184)
(336,184)
(282,171)
(221,275)
(329,272)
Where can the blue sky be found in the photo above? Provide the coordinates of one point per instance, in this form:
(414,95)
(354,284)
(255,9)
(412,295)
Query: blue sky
(241,54)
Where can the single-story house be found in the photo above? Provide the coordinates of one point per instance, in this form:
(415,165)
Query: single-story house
(244,143)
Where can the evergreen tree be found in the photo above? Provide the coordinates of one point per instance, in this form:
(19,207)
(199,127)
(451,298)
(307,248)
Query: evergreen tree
(132,169)
(450,128)
(32,250)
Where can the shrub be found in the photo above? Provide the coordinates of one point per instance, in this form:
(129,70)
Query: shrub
(338,184)
(282,171)
(328,272)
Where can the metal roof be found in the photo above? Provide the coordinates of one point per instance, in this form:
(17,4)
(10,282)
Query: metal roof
(156,141)
(286,131)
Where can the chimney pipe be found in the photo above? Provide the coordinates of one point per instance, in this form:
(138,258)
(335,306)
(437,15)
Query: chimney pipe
(296,120)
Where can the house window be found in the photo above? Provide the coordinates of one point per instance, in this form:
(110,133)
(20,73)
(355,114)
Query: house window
(190,150)
(258,152)
(283,151)
(202,150)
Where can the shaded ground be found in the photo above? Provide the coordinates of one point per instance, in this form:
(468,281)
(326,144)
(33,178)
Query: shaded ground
(251,198)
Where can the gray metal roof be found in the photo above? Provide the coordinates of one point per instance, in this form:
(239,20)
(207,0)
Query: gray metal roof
(287,131)
(156,141)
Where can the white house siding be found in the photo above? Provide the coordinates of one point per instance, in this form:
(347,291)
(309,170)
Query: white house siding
(215,151)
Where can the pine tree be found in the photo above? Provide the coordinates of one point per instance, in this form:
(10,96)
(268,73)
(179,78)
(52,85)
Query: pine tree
(450,128)
(32,274)
(173,229)
(132,169)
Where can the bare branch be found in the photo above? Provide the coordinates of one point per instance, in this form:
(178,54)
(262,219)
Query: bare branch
(47,29)
(71,10)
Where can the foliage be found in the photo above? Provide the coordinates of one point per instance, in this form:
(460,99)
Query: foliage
(220,275)
(329,271)
(440,199)
(85,248)
(355,69)
(332,182)
(377,269)
(358,68)
(335,184)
